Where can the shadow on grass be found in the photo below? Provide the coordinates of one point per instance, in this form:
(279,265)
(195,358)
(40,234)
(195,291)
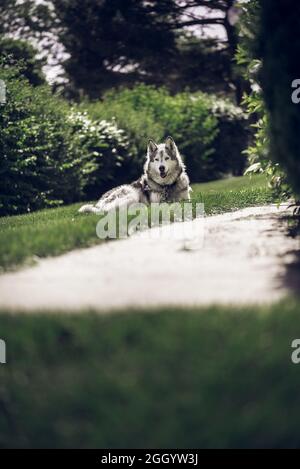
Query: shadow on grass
(212,377)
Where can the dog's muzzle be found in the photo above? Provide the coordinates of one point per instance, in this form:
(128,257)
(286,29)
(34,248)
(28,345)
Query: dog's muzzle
(162,172)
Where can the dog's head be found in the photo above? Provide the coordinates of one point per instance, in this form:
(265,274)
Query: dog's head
(164,162)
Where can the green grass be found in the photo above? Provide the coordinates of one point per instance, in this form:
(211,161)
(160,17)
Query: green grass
(194,378)
(44,233)
(54,231)
(233,193)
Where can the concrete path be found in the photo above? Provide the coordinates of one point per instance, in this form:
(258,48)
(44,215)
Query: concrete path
(239,257)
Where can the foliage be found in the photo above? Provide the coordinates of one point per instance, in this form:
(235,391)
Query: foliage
(232,138)
(111,43)
(24,55)
(101,149)
(138,124)
(49,153)
(210,133)
(195,65)
(263,153)
(13,16)
(35,164)
(278,46)
(187,119)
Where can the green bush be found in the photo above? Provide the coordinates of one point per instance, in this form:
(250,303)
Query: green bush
(51,154)
(268,49)
(232,138)
(138,124)
(278,46)
(17,51)
(35,168)
(211,133)
(101,151)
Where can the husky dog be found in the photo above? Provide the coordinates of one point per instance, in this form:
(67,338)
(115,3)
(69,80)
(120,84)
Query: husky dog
(164,180)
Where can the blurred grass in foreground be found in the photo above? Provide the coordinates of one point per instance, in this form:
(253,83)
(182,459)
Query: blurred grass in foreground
(194,378)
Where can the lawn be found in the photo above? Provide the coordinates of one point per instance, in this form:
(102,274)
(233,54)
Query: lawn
(57,230)
(211,377)
(231,194)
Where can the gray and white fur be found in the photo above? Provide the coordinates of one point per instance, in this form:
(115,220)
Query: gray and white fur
(164,180)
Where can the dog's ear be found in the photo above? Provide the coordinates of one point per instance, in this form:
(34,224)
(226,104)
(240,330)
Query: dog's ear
(171,146)
(152,147)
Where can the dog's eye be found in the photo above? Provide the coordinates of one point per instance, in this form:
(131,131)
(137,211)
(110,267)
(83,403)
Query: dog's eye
(156,159)
(167,158)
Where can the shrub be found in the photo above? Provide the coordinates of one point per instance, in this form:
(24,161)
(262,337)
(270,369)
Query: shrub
(232,139)
(22,53)
(263,152)
(101,151)
(210,133)
(34,167)
(278,46)
(188,120)
(49,153)
(138,125)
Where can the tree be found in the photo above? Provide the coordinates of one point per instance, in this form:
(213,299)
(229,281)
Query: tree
(19,51)
(111,42)
(221,13)
(120,42)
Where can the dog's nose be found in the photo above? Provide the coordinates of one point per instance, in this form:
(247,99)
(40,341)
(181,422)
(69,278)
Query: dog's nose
(162,169)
